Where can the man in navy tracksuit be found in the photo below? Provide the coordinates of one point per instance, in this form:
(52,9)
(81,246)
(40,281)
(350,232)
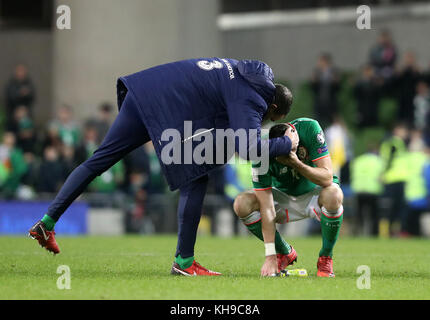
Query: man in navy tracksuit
(213,93)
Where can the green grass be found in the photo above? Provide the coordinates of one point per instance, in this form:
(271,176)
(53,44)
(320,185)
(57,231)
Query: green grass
(137,267)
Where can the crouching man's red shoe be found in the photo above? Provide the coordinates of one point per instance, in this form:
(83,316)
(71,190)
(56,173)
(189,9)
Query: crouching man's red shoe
(45,238)
(195,270)
(325,267)
(284,260)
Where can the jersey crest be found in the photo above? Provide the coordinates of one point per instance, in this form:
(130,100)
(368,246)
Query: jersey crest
(321,138)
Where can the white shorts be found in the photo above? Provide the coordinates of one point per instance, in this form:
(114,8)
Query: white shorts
(289,208)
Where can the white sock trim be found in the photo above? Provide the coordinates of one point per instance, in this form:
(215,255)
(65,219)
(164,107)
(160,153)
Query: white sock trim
(253,217)
(332,215)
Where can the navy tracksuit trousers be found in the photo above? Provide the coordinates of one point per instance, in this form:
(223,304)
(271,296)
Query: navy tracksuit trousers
(126,134)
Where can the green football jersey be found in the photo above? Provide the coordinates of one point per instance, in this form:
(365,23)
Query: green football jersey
(312,147)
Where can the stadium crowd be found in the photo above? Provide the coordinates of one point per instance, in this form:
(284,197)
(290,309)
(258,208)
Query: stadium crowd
(386,178)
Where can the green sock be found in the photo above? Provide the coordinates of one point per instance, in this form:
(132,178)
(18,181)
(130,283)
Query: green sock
(49,222)
(330,228)
(281,245)
(184,263)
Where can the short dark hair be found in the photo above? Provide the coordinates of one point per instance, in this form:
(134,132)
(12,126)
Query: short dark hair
(278,130)
(283,99)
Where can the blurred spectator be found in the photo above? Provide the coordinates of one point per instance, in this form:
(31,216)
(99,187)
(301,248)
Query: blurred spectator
(19,91)
(217,181)
(366,173)
(52,171)
(140,184)
(112,178)
(339,143)
(383,55)
(417,183)
(30,179)
(102,122)
(393,153)
(422,106)
(325,86)
(405,83)
(367,92)
(416,141)
(88,144)
(136,212)
(69,159)
(12,165)
(156,181)
(238,178)
(65,126)
(23,128)
(51,138)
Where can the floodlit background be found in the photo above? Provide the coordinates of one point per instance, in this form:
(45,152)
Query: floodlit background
(368,88)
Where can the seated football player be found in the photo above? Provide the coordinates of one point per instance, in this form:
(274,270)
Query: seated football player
(296,186)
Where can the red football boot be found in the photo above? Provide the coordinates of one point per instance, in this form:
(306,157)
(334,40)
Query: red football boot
(284,260)
(45,238)
(325,267)
(195,270)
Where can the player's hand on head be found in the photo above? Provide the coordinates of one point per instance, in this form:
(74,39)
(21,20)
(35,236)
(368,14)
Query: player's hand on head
(270,267)
(285,160)
(288,160)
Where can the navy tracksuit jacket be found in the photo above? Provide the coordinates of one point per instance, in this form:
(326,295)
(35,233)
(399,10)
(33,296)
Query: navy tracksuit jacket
(213,93)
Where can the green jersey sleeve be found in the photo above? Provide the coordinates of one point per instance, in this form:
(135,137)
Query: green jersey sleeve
(315,141)
(260,181)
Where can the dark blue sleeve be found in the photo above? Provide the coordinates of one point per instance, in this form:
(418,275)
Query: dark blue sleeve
(248,114)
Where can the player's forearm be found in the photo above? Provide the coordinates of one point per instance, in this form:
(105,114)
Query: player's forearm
(320,176)
(279,146)
(258,147)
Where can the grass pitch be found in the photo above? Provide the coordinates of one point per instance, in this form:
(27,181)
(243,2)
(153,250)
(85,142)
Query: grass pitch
(137,267)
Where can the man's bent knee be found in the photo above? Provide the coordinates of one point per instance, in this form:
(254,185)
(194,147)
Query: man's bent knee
(331,198)
(245,203)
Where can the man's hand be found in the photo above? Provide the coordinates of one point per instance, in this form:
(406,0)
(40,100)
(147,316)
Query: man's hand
(290,160)
(270,266)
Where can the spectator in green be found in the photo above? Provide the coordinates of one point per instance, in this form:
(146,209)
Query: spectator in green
(366,174)
(394,155)
(110,180)
(13,165)
(67,129)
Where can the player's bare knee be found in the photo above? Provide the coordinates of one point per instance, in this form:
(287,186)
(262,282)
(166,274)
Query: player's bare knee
(245,203)
(331,198)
